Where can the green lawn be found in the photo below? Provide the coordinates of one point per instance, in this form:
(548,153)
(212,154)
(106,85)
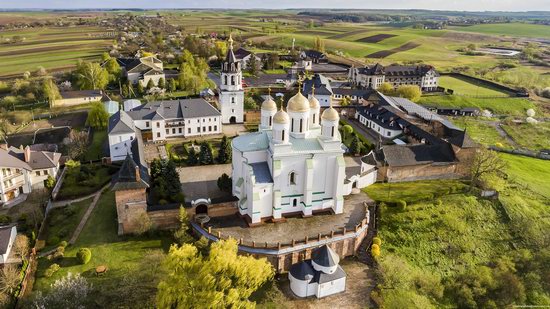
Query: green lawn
(468,87)
(531,136)
(84,180)
(62,222)
(509,29)
(413,191)
(506,106)
(530,172)
(95,149)
(133,262)
(482,132)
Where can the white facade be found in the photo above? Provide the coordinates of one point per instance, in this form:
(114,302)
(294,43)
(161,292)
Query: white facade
(424,77)
(294,167)
(231,90)
(389,131)
(22,170)
(10,232)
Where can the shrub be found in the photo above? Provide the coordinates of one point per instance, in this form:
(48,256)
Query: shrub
(402,205)
(51,270)
(439,202)
(57,255)
(84,255)
(53,240)
(5,219)
(179,198)
(377,241)
(375,250)
(63,244)
(163,202)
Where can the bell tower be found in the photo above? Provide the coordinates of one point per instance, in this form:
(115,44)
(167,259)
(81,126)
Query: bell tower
(231,89)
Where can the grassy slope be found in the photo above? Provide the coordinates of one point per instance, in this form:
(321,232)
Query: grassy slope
(507,106)
(63,221)
(481,132)
(532,136)
(133,262)
(466,87)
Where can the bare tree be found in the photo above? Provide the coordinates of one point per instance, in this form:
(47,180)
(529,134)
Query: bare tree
(21,246)
(9,279)
(485,162)
(78,144)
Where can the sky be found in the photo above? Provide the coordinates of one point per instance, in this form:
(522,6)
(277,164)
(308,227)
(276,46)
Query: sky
(456,5)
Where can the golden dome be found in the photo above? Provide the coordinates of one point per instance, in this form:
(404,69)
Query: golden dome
(298,103)
(330,114)
(281,117)
(269,104)
(314,103)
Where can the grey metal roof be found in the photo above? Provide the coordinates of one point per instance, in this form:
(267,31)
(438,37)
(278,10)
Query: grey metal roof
(322,85)
(251,142)
(321,277)
(174,109)
(324,256)
(302,270)
(399,155)
(262,172)
(8,159)
(126,178)
(5,233)
(120,122)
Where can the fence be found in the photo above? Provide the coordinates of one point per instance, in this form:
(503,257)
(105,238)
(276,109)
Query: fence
(522,152)
(516,92)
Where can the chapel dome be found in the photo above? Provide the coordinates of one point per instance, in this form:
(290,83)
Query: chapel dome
(330,114)
(298,103)
(314,103)
(269,104)
(281,117)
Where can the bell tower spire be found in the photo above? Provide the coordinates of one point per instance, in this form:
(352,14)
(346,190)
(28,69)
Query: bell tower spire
(231,97)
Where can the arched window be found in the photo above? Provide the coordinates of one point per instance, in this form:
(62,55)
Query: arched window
(295,202)
(232,99)
(292,178)
(283,135)
(292,125)
(232,80)
(332,132)
(301,126)
(270,120)
(313,118)
(225,80)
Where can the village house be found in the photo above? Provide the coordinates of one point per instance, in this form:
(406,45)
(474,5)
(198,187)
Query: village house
(78,97)
(314,55)
(22,170)
(159,121)
(142,69)
(423,76)
(244,56)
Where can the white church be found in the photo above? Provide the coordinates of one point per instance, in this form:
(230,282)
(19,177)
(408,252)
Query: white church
(294,164)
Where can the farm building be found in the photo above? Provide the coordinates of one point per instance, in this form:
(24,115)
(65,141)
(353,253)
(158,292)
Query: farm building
(314,55)
(78,97)
(423,76)
(320,276)
(142,70)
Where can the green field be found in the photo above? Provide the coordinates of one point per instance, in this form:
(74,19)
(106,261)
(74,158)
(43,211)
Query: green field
(510,29)
(463,86)
(52,48)
(505,106)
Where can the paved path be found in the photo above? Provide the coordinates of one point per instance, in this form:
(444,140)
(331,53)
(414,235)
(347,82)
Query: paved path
(85,218)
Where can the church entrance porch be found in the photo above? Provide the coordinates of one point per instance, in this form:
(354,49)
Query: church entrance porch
(232,120)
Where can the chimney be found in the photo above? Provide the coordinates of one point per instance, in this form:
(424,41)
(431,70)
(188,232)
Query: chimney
(27,154)
(138,175)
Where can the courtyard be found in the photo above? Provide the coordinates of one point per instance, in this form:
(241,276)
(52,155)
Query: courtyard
(202,181)
(295,227)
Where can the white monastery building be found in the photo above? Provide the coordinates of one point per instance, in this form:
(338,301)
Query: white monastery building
(159,121)
(320,276)
(22,170)
(423,76)
(293,164)
(231,88)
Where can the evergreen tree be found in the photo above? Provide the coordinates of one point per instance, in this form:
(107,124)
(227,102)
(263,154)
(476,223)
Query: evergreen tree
(225,183)
(173,184)
(98,117)
(131,91)
(172,85)
(162,83)
(140,89)
(224,153)
(355,146)
(192,157)
(253,65)
(205,155)
(50,91)
(150,84)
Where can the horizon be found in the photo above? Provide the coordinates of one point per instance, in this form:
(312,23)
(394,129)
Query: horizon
(397,5)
